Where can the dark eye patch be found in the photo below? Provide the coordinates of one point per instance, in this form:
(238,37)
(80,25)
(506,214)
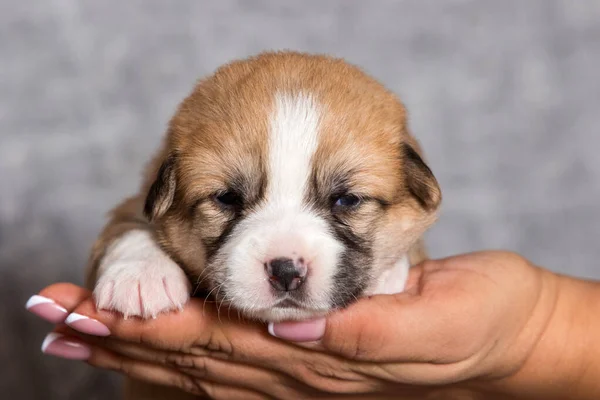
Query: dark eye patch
(336,194)
(234,202)
(229,199)
(346,201)
(230,205)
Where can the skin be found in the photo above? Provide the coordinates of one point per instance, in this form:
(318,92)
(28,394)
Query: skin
(483,325)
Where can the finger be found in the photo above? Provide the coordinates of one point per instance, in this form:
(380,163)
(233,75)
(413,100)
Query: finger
(318,333)
(260,380)
(195,325)
(290,367)
(167,376)
(310,381)
(286,382)
(65,346)
(135,351)
(214,376)
(55,302)
(309,333)
(74,305)
(420,325)
(194,330)
(443,320)
(148,372)
(65,343)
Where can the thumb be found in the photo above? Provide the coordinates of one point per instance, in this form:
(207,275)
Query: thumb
(377,328)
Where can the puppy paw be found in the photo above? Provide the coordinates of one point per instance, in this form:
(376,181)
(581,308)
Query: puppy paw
(136,278)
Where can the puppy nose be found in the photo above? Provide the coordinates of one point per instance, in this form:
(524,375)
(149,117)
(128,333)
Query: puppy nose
(286,274)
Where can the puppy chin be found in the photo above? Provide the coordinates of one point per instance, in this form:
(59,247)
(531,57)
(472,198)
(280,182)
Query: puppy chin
(280,314)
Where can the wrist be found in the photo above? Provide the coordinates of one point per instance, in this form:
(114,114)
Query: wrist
(558,343)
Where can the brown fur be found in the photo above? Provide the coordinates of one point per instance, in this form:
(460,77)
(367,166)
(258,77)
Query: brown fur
(231,111)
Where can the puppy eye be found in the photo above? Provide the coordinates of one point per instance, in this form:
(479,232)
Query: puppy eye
(229,199)
(347,201)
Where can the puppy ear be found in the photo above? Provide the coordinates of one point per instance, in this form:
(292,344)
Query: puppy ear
(161,193)
(419,180)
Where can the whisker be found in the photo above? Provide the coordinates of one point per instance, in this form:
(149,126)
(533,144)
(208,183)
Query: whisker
(218,306)
(208,295)
(200,280)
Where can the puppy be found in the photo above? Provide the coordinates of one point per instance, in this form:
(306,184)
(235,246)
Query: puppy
(288,186)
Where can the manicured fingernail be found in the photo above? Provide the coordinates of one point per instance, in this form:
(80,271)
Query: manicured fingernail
(305,331)
(87,325)
(46,308)
(61,346)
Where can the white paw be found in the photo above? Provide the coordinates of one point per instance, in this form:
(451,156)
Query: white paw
(136,278)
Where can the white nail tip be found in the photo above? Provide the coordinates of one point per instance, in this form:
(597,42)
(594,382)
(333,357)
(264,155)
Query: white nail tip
(271,330)
(74,317)
(37,299)
(49,339)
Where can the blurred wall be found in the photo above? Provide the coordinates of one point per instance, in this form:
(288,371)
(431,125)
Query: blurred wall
(504,96)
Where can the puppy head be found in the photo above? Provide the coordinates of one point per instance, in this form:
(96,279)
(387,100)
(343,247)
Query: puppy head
(289,183)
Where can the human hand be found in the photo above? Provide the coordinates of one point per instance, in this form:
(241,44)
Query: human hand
(464,326)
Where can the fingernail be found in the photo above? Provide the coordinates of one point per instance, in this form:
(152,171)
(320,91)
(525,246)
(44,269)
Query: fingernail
(87,325)
(59,345)
(46,308)
(305,331)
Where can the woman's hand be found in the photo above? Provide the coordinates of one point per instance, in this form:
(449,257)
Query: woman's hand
(467,326)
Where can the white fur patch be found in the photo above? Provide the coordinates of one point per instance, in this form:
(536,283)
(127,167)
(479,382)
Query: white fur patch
(284,226)
(137,278)
(293,140)
(393,280)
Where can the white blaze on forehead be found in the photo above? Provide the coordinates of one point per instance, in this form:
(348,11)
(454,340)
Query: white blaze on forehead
(293,139)
(282,226)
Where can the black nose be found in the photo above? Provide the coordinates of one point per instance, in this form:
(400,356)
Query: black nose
(284,274)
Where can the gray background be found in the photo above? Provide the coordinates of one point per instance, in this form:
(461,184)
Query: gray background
(504,96)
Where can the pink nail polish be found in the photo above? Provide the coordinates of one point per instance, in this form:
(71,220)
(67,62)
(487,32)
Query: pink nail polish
(87,325)
(304,331)
(61,346)
(46,308)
